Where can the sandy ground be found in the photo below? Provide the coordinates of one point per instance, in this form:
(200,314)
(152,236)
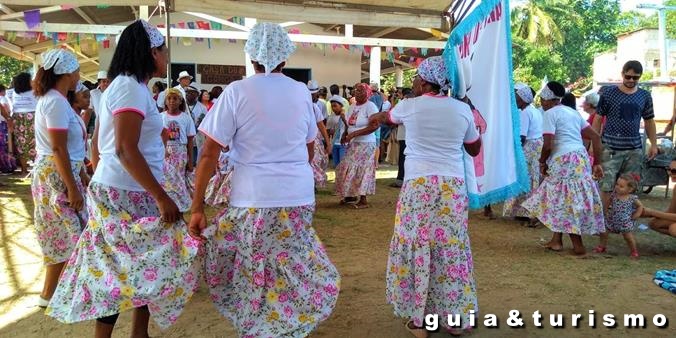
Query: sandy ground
(513,273)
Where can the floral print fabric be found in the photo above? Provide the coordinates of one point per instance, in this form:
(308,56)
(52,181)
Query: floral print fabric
(356,173)
(24,135)
(430,268)
(568,199)
(320,162)
(57,225)
(7,161)
(619,214)
(126,258)
(531,150)
(269,45)
(268,272)
(177,183)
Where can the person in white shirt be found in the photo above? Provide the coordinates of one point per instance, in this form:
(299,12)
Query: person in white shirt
(59,178)
(320,160)
(184,79)
(356,173)
(197,111)
(568,199)
(338,126)
(178,135)
(135,252)
(531,142)
(23,110)
(7,160)
(432,212)
(264,259)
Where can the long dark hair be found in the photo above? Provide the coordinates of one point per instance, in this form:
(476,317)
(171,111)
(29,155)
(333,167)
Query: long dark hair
(133,55)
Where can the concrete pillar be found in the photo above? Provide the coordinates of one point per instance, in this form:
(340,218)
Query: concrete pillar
(398,77)
(374,69)
(249,23)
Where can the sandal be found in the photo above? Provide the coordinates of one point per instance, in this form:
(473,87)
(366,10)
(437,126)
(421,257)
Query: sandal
(634,255)
(416,332)
(42,303)
(599,249)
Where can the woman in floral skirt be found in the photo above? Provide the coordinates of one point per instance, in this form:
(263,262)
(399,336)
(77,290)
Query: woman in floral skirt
(356,173)
(135,252)
(568,199)
(266,269)
(23,114)
(430,268)
(59,176)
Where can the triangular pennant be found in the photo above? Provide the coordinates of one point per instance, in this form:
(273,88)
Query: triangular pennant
(401,50)
(203,25)
(388,49)
(216,25)
(106,44)
(32,18)
(423,51)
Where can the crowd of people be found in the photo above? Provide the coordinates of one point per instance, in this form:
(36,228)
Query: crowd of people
(115,167)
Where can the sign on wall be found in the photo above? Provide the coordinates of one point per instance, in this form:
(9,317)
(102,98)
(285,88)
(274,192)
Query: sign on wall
(220,74)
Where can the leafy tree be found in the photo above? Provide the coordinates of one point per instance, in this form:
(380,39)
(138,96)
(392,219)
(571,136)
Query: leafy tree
(389,81)
(534,21)
(9,67)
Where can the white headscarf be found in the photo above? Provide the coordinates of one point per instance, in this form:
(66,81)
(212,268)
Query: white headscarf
(154,35)
(60,60)
(524,92)
(433,70)
(269,45)
(548,94)
(80,87)
(592,99)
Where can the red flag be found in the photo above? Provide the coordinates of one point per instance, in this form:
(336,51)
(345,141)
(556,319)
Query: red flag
(203,25)
(367,49)
(62,36)
(181,24)
(106,44)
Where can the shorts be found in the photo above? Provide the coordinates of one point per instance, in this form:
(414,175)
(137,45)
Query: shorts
(619,162)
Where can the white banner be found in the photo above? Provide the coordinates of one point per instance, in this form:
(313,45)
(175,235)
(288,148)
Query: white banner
(479,61)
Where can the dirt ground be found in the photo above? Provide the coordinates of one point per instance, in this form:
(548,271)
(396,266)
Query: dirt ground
(513,272)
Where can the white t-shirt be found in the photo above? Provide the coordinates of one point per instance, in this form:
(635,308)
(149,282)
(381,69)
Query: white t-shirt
(24,102)
(437,127)
(358,118)
(95,99)
(566,125)
(531,123)
(125,93)
(267,121)
(160,100)
(54,113)
(387,106)
(4,101)
(322,109)
(179,127)
(197,113)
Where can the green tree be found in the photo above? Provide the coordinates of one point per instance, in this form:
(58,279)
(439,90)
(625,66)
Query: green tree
(389,81)
(9,67)
(532,63)
(533,21)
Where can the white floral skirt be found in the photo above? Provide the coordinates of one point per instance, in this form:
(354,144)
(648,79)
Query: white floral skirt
(177,181)
(531,150)
(268,272)
(356,173)
(127,258)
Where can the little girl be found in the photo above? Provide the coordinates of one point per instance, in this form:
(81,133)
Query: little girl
(624,208)
(178,135)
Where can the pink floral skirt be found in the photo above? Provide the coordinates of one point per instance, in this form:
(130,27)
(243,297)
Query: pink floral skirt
(356,173)
(430,268)
(24,135)
(57,225)
(531,150)
(568,199)
(127,258)
(177,181)
(320,162)
(268,272)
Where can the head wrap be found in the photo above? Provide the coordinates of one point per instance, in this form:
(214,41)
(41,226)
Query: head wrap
(524,92)
(433,70)
(172,91)
(80,87)
(60,60)
(366,88)
(592,99)
(548,94)
(269,45)
(154,35)
(337,99)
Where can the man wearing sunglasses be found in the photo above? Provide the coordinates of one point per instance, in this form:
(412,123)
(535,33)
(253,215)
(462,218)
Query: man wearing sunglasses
(623,106)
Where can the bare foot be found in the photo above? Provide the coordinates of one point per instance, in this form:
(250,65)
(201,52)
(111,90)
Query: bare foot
(553,246)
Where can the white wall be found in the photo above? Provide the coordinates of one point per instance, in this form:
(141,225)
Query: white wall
(327,67)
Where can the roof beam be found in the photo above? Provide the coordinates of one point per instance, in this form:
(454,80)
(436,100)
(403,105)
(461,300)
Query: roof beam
(133,10)
(384,32)
(219,20)
(291,23)
(19,15)
(81,2)
(434,32)
(16,52)
(42,45)
(215,34)
(283,11)
(84,15)
(81,55)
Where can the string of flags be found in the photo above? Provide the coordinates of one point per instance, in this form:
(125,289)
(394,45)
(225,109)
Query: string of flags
(33,20)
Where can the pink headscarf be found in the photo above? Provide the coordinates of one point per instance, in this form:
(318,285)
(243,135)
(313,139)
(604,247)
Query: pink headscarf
(366,88)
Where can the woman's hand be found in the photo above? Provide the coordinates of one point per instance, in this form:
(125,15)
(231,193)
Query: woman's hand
(168,210)
(198,222)
(75,199)
(84,177)
(329,147)
(597,171)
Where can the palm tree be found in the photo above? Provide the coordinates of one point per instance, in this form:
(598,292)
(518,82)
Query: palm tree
(532,21)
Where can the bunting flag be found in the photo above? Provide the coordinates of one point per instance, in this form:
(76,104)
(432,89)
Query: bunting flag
(106,44)
(32,18)
(423,51)
(63,36)
(181,24)
(216,25)
(401,50)
(478,56)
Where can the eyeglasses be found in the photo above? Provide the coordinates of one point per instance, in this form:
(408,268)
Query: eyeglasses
(632,77)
